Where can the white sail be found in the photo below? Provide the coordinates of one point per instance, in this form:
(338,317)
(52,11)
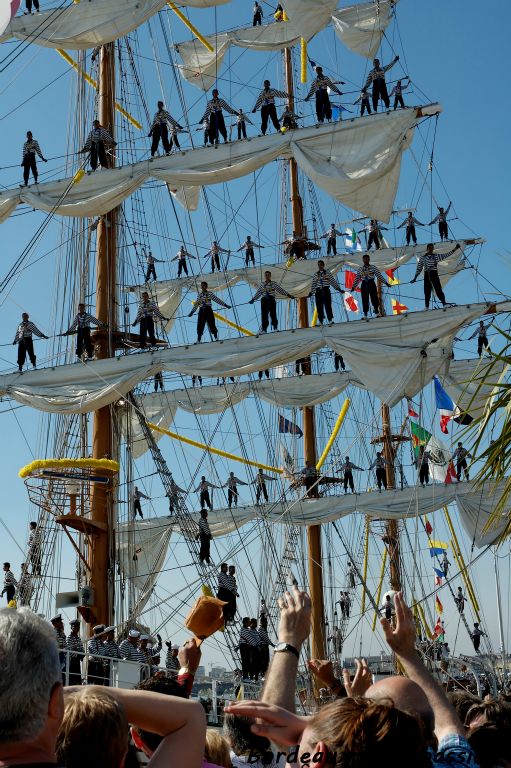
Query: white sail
(361,26)
(384,353)
(470,384)
(143,548)
(88,24)
(356,162)
(200,66)
(188,197)
(306,17)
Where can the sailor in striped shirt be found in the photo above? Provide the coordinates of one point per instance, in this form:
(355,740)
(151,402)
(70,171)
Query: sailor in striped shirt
(397,92)
(204,537)
(130,650)
(376,77)
(410,223)
(213,253)
(110,651)
(460,457)
(267,292)
(160,130)
(227,591)
(216,119)
(248,246)
(264,646)
(10,583)
(258,15)
(319,87)
(429,263)
(81,326)
(96,142)
(422,462)
(366,276)
(181,257)
(320,289)
(172,663)
(151,261)
(241,124)
(95,649)
(266,101)
(482,338)
(347,470)
(374,229)
(381,475)
(204,493)
(30,149)
(147,311)
(288,118)
(23,338)
(137,508)
(331,243)
(260,484)
(441,217)
(232,488)
(34,548)
(206,317)
(364,102)
(75,645)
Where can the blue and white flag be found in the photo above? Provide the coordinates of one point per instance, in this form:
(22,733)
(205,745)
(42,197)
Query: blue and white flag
(449,411)
(289,427)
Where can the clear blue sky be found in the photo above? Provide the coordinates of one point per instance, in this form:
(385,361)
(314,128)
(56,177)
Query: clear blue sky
(453,53)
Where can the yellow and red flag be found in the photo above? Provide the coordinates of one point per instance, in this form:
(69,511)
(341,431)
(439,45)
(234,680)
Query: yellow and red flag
(398,308)
(390,274)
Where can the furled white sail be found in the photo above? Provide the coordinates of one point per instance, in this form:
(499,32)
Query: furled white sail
(470,384)
(143,548)
(200,66)
(361,26)
(159,411)
(357,162)
(384,353)
(87,24)
(188,197)
(305,16)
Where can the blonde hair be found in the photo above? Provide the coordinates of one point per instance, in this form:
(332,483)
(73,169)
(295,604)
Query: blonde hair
(94,731)
(217,749)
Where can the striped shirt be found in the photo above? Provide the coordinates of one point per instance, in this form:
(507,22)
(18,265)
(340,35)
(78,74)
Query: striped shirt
(137,495)
(378,73)
(409,222)
(263,637)
(84,320)
(95,647)
(111,650)
(367,272)
(429,261)
(232,482)
(321,83)
(74,643)
(323,279)
(260,479)
(441,216)
(215,250)
(331,233)
(245,636)
(25,330)
(9,580)
(268,96)
(34,539)
(215,106)
(205,298)
(460,454)
(150,259)
(379,463)
(131,652)
(480,331)
(242,118)
(32,147)
(226,581)
(172,663)
(363,98)
(271,288)
(253,637)
(398,89)
(204,528)
(148,309)
(424,458)
(182,255)
(162,117)
(247,245)
(348,466)
(61,640)
(204,485)
(374,228)
(97,135)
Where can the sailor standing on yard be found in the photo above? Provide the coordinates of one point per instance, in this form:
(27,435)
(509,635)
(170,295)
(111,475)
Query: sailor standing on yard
(331,239)
(410,223)
(364,102)
(23,338)
(216,118)
(366,277)
(266,102)
(204,538)
(376,78)
(181,257)
(203,487)
(482,338)
(347,470)
(258,15)
(160,130)
(97,141)
(248,246)
(30,149)
(429,263)
(460,457)
(374,228)
(137,508)
(267,292)
(397,92)
(231,484)
(322,281)
(260,484)
(320,86)
(381,475)
(147,311)
(206,317)
(151,261)
(81,326)
(214,252)
(441,217)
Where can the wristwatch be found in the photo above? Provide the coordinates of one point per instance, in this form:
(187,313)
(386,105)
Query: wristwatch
(285,647)
(184,671)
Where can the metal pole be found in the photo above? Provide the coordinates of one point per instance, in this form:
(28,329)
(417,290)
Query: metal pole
(499,613)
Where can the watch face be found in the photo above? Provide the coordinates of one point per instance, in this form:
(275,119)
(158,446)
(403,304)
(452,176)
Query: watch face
(281,646)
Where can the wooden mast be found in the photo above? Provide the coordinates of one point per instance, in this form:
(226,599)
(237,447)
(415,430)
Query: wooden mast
(102,434)
(315,562)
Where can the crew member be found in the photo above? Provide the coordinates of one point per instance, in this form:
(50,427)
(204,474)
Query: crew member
(226,591)
(397,92)
(339,362)
(204,537)
(158,381)
(110,651)
(214,253)
(319,86)
(366,277)
(347,470)
(81,326)
(364,102)
(23,338)
(459,599)
(95,649)
(172,663)
(381,475)
(203,487)
(97,141)
(10,583)
(75,646)
(266,373)
(244,646)
(441,217)
(160,130)
(331,243)
(445,564)
(30,149)
(258,15)
(264,646)
(429,263)
(215,116)
(151,271)
(460,457)
(34,548)
(254,642)
(172,494)
(322,280)
(351,574)
(129,648)
(260,484)
(232,489)
(61,639)
(423,464)
(267,292)
(248,246)
(410,223)
(181,257)
(288,119)
(147,311)
(241,124)
(476,636)
(374,228)
(266,102)
(295,246)
(206,317)
(376,78)
(482,338)
(137,495)
(310,476)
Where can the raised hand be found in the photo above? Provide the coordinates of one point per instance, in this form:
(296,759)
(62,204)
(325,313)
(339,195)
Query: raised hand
(295,617)
(324,671)
(362,680)
(401,639)
(278,725)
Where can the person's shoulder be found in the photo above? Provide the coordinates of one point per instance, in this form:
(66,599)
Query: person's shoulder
(454,749)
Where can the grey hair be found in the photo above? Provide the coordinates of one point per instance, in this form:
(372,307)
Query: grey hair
(30,667)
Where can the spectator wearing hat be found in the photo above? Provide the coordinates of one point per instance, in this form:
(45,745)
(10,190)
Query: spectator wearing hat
(75,647)
(60,636)
(129,648)
(95,668)
(172,662)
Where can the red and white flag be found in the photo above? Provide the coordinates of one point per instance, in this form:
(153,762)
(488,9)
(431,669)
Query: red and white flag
(350,302)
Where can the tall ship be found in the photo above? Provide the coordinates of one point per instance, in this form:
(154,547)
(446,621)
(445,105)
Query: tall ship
(233,328)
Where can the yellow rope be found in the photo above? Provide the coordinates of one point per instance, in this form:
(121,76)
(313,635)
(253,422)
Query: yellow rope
(210,448)
(364,568)
(380,585)
(233,325)
(104,464)
(191,27)
(314,320)
(335,432)
(303,52)
(88,79)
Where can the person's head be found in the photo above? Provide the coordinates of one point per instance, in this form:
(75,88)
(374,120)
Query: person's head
(146,741)
(476,625)
(204,286)
(378,453)
(215,242)
(321,264)
(376,62)
(266,83)
(407,696)
(204,514)
(215,93)
(462,701)
(491,745)
(133,637)
(249,238)
(253,624)
(223,567)
(95,123)
(32,525)
(319,71)
(110,634)
(31,701)
(387,598)
(246,621)
(145,297)
(217,749)
(144,639)
(7,566)
(75,627)
(429,247)
(160,105)
(98,630)
(24,316)
(366,259)
(260,471)
(347,459)
(232,570)
(440,209)
(174,649)
(492,711)
(460,445)
(237,731)
(459,589)
(409,214)
(481,323)
(399,82)
(81,308)
(94,731)
(267,276)
(57,622)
